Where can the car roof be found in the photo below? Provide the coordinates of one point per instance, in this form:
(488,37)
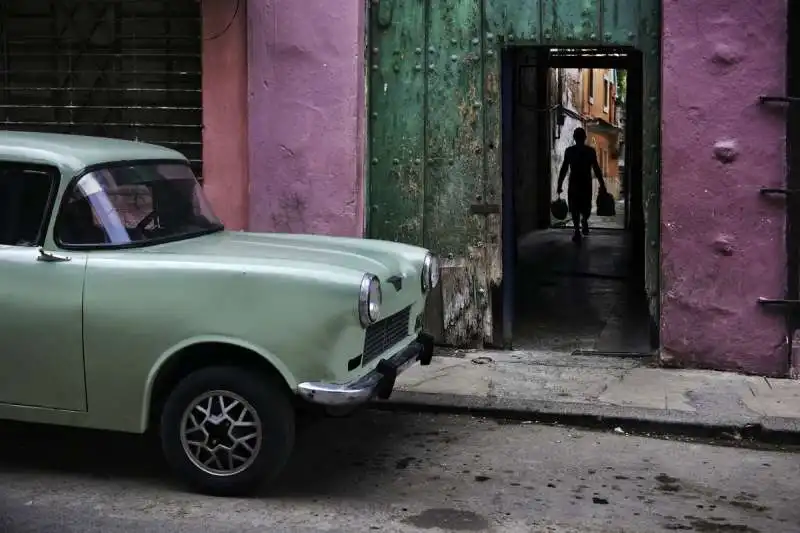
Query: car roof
(73,153)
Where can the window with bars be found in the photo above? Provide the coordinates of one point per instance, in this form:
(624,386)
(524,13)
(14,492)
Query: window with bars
(128,69)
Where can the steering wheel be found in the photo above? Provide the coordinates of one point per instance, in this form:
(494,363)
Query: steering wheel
(142,225)
(145,221)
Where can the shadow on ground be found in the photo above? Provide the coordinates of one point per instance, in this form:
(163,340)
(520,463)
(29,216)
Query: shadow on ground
(404,472)
(347,456)
(579,297)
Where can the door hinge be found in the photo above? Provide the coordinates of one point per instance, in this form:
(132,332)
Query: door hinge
(485,209)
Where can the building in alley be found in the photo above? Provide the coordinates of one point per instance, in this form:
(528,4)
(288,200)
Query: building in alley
(599,107)
(567,91)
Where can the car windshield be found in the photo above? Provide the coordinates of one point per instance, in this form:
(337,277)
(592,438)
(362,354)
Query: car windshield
(134,205)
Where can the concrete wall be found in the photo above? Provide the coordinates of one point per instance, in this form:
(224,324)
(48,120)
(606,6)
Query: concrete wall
(225,169)
(306,112)
(570,99)
(722,244)
(604,143)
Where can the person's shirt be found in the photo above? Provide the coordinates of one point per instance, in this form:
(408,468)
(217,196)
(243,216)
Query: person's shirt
(580,158)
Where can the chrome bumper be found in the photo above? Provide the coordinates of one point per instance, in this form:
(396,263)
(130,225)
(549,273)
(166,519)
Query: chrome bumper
(378,383)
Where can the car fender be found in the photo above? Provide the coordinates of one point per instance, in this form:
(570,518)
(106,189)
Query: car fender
(165,357)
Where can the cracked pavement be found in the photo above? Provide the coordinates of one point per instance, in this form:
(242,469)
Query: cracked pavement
(535,382)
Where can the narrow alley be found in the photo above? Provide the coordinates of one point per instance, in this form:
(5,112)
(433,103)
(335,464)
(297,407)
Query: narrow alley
(578,299)
(409,473)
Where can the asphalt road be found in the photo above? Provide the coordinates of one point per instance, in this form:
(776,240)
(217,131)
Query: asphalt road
(390,472)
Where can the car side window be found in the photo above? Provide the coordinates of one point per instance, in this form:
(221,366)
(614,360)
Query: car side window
(25,195)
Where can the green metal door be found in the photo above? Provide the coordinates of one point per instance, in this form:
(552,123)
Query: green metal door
(434,130)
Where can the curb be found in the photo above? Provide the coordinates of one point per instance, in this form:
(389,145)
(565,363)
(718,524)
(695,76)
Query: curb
(633,420)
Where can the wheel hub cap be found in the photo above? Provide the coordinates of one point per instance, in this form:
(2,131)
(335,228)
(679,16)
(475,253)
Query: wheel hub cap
(221,433)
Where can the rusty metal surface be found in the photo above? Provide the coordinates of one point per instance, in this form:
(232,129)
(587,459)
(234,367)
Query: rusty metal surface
(454,126)
(396,125)
(434,133)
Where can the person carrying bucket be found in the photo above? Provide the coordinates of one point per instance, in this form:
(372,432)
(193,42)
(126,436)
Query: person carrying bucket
(580,160)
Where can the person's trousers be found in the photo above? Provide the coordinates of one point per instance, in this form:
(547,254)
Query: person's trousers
(580,203)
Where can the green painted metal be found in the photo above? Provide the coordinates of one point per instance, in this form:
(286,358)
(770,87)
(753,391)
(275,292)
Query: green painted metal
(454,126)
(434,132)
(396,103)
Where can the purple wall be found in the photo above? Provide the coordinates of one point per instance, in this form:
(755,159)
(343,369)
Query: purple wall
(305,98)
(722,244)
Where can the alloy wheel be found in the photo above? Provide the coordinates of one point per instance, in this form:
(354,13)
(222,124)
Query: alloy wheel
(221,433)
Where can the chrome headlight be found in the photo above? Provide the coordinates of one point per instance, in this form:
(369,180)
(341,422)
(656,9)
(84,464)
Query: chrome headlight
(369,300)
(430,272)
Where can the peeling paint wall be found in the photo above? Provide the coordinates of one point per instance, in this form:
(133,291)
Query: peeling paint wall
(571,100)
(305,98)
(722,244)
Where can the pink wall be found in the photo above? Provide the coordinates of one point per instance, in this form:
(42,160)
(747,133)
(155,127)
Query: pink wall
(225,110)
(305,95)
(723,245)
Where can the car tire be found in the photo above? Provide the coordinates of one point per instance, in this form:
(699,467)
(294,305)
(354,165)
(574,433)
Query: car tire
(227,431)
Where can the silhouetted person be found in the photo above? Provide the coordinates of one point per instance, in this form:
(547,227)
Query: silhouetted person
(580,160)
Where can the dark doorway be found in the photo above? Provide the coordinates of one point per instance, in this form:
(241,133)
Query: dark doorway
(585,297)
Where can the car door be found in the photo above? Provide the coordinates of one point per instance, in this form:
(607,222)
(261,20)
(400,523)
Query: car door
(41,298)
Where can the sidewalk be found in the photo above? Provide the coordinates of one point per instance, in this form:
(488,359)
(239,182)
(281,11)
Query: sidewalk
(615,390)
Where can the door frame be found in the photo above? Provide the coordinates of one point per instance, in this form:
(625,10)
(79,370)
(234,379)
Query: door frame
(633,63)
(789,304)
(793,183)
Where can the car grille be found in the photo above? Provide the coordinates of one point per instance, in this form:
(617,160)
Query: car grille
(385,333)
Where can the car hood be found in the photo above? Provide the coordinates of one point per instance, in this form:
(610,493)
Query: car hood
(381,258)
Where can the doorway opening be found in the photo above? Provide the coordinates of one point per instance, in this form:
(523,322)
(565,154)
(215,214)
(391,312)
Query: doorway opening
(561,296)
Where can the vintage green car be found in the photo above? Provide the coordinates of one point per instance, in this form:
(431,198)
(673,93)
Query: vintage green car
(125,305)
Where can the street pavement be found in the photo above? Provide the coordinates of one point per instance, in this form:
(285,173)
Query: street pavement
(624,390)
(405,472)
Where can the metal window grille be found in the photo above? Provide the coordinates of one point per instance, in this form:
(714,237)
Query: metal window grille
(128,69)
